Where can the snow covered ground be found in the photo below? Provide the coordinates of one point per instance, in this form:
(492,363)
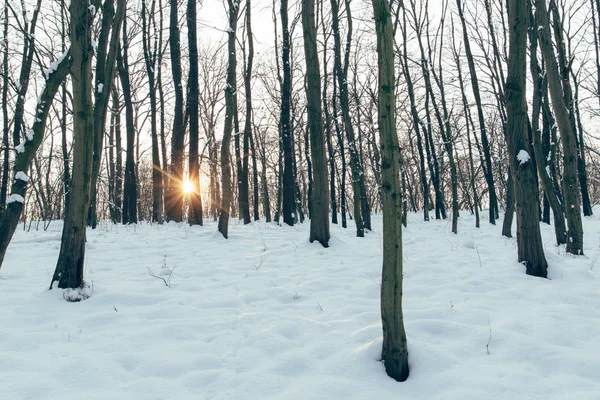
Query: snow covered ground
(266,315)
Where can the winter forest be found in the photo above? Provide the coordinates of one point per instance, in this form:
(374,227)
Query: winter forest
(311,199)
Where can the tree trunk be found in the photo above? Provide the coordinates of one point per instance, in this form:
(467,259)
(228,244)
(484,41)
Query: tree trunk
(228,126)
(543,167)
(288,198)
(150,56)
(174,193)
(195,196)
(572,198)
(395,352)
(130,183)
(529,239)
(319,218)
(487,167)
(106,53)
(69,267)
(244,178)
(341,73)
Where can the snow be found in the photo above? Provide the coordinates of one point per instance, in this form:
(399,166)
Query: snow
(29,134)
(54,66)
(267,315)
(523,157)
(21,175)
(20,148)
(15,198)
(100,87)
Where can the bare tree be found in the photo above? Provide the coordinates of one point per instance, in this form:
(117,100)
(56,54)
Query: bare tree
(395,352)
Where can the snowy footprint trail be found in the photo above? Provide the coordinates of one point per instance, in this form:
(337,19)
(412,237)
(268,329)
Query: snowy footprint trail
(267,315)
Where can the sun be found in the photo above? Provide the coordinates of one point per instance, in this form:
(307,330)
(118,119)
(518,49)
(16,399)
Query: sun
(188,187)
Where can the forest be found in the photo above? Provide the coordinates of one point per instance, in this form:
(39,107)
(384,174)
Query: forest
(321,119)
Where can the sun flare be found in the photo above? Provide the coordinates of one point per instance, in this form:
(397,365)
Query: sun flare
(188,187)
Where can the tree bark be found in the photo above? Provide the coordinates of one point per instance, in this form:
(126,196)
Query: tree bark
(130,182)
(70,264)
(106,53)
(227,195)
(394,352)
(487,166)
(529,239)
(572,199)
(195,196)
(319,218)
(174,193)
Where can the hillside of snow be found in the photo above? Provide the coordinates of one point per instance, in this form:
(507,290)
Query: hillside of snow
(267,315)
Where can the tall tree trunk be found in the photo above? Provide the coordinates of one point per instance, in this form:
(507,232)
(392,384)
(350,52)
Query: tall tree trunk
(228,126)
(69,267)
(319,218)
(542,156)
(487,166)
(5,128)
(328,133)
(288,200)
(342,151)
(195,197)
(106,53)
(174,193)
(529,239)
(415,117)
(244,186)
(469,127)
(130,183)
(150,56)
(341,73)
(570,182)
(395,352)
(119,157)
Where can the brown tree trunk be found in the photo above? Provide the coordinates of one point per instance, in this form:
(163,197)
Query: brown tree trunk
(69,267)
(106,53)
(228,126)
(195,197)
(529,239)
(130,182)
(487,166)
(395,351)
(570,182)
(319,218)
(174,193)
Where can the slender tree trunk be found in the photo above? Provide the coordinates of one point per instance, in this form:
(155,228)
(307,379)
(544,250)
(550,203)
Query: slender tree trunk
(319,222)
(543,167)
(195,197)
(174,193)
(244,178)
(487,167)
(344,102)
(529,239)
(69,267)
(288,198)
(570,182)
(106,53)
(130,183)
(5,128)
(150,56)
(395,352)
(228,126)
